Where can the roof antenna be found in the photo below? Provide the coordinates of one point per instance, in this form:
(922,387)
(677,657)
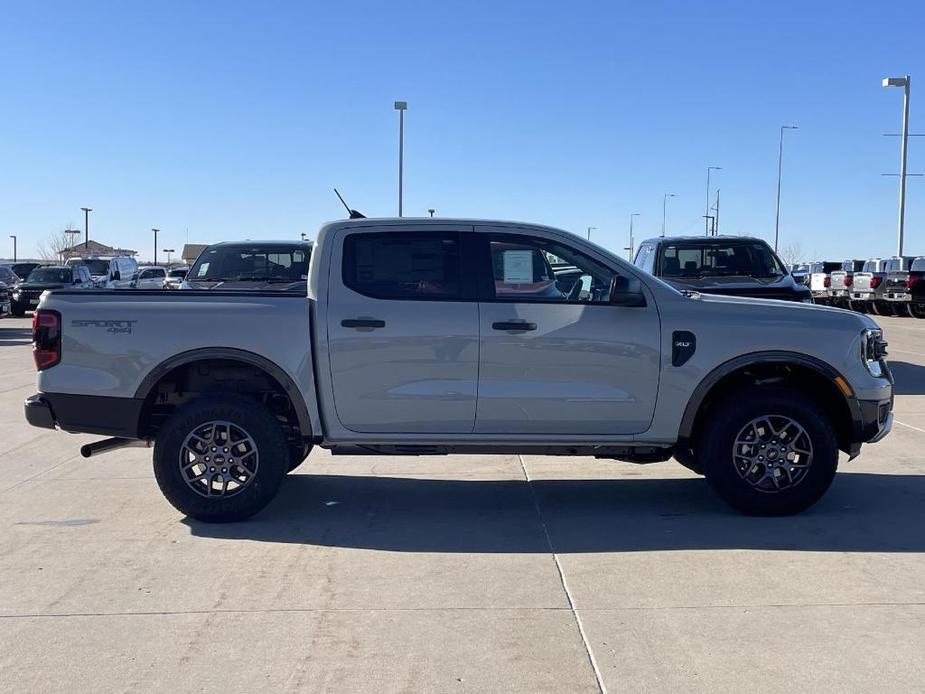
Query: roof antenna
(352,213)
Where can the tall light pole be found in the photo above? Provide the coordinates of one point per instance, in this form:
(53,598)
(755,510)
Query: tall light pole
(780,165)
(303,235)
(430,211)
(12,236)
(590,229)
(401,107)
(903,82)
(87,211)
(631,247)
(168,251)
(706,211)
(665,210)
(155,244)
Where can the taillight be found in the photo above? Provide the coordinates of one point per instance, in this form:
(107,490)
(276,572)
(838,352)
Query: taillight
(912,280)
(848,280)
(827,282)
(875,282)
(46,338)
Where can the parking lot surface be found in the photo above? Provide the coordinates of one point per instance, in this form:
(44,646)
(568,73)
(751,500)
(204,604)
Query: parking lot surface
(463,573)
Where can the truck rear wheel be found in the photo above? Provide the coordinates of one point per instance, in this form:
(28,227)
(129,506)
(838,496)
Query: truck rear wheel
(769,453)
(220,458)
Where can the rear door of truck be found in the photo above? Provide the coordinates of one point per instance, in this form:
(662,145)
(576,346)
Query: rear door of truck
(403,330)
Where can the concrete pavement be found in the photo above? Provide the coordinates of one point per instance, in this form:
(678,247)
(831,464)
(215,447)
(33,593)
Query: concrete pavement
(464,573)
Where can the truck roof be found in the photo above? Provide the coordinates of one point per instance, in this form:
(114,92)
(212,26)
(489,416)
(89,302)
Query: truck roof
(701,237)
(262,242)
(435,221)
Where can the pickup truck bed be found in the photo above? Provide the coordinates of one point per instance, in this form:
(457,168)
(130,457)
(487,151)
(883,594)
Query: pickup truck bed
(437,336)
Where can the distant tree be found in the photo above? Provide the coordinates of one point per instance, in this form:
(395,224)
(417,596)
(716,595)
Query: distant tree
(792,253)
(52,248)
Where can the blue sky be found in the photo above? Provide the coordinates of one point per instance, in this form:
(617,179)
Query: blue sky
(235,120)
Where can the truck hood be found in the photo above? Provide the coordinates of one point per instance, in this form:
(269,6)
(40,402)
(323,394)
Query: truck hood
(741,285)
(33,286)
(800,314)
(296,286)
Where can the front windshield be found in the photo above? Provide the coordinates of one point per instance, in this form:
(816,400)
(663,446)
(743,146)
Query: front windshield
(253,263)
(97,266)
(50,275)
(721,258)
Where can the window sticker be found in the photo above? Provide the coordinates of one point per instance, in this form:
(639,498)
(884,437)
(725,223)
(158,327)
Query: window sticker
(518,267)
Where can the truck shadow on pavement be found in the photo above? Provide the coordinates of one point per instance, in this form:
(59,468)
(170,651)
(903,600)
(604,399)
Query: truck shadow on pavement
(910,378)
(862,512)
(15,336)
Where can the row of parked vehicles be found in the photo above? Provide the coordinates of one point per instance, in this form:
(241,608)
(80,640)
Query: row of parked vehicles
(21,284)
(882,286)
(244,265)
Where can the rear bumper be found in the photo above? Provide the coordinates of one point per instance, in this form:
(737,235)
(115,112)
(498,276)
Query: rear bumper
(85,414)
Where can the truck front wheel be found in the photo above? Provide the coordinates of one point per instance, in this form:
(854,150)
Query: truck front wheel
(220,458)
(769,452)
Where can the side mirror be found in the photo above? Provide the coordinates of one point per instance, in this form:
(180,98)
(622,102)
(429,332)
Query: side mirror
(626,291)
(116,276)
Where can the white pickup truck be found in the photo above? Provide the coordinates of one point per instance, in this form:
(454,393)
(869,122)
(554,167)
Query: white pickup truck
(441,336)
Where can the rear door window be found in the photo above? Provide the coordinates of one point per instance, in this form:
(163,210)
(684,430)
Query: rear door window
(415,265)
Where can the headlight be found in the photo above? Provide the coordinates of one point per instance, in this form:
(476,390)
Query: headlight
(16,294)
(873,350)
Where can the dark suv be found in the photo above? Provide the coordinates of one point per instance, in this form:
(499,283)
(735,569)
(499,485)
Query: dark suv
(733,265)
(26,294)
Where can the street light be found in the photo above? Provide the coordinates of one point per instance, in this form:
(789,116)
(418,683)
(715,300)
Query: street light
(706,211)
(589,232)
(14,246)
(401,107)
(780,163)
(168,251)
(155,244)
(430,211)
(903,82)
(303,235)
(665,210)
(631,246)
(87,211)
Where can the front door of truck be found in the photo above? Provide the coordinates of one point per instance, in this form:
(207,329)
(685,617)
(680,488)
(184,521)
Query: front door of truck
(403,332)
(556,357)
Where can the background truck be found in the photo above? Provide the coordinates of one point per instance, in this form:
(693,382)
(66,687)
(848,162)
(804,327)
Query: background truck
(431,337)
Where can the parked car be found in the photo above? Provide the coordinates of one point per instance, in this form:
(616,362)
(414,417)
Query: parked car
(864,284)
(175,277)
(800,273)
(733,265)
(410,341)
(820,278)
(251,265)
(6,293)
(26,294)
(892,296)
(7,276)
(109,273)
(149,277)
(916,285)
(841,281)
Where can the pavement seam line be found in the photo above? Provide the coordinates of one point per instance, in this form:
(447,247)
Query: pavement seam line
(298,610)
(568,595)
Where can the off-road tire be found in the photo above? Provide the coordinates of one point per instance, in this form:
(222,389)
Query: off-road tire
(730,417)
(253,418)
